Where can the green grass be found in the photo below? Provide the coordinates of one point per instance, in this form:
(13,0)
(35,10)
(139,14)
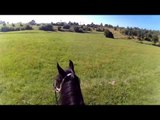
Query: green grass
(28,67)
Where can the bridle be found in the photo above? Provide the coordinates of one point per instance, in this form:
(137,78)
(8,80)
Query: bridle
(58,90)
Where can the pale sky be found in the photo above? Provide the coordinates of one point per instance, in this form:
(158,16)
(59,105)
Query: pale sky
(83,19)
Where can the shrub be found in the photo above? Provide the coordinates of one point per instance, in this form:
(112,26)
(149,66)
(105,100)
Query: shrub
(108,34)
(66,26)
(47,27)
(28,27)
(147,39)
(100,29)
(78,29)
(5,29)
(89,29)
(71,29)
(11,29)
(22,28)
(140,39)
(17,29)
(59,28)
(155,39)
(129,37)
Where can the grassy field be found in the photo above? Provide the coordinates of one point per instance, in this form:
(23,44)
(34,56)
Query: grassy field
(112,71)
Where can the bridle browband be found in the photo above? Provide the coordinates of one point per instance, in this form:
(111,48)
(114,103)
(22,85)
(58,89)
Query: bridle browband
(57,90)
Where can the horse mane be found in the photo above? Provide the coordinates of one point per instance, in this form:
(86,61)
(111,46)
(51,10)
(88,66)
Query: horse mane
(70,93)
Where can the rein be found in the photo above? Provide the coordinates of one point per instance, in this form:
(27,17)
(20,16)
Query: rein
(58,90)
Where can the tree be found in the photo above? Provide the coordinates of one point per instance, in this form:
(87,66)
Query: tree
(70,23)
(32,22)
(52,23)
(13,24)
(4,24)
(21,24)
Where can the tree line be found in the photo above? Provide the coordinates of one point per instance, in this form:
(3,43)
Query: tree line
(131,32)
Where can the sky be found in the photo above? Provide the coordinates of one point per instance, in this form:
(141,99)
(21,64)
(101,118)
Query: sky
(142,21)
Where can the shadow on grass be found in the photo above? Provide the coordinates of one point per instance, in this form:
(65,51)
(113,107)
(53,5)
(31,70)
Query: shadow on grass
(148,43)
(20,32)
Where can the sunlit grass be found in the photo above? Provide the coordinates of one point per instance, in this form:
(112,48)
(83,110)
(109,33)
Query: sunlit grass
(112,71)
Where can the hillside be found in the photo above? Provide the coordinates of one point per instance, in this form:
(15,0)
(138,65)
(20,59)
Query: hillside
(118,32)
(111,71)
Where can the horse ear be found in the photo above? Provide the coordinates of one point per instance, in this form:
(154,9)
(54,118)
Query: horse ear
(71,65)
(60,70)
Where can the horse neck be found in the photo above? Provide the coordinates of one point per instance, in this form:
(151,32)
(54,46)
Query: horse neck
(71,94)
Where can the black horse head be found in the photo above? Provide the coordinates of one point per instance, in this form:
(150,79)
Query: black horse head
(67,85)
